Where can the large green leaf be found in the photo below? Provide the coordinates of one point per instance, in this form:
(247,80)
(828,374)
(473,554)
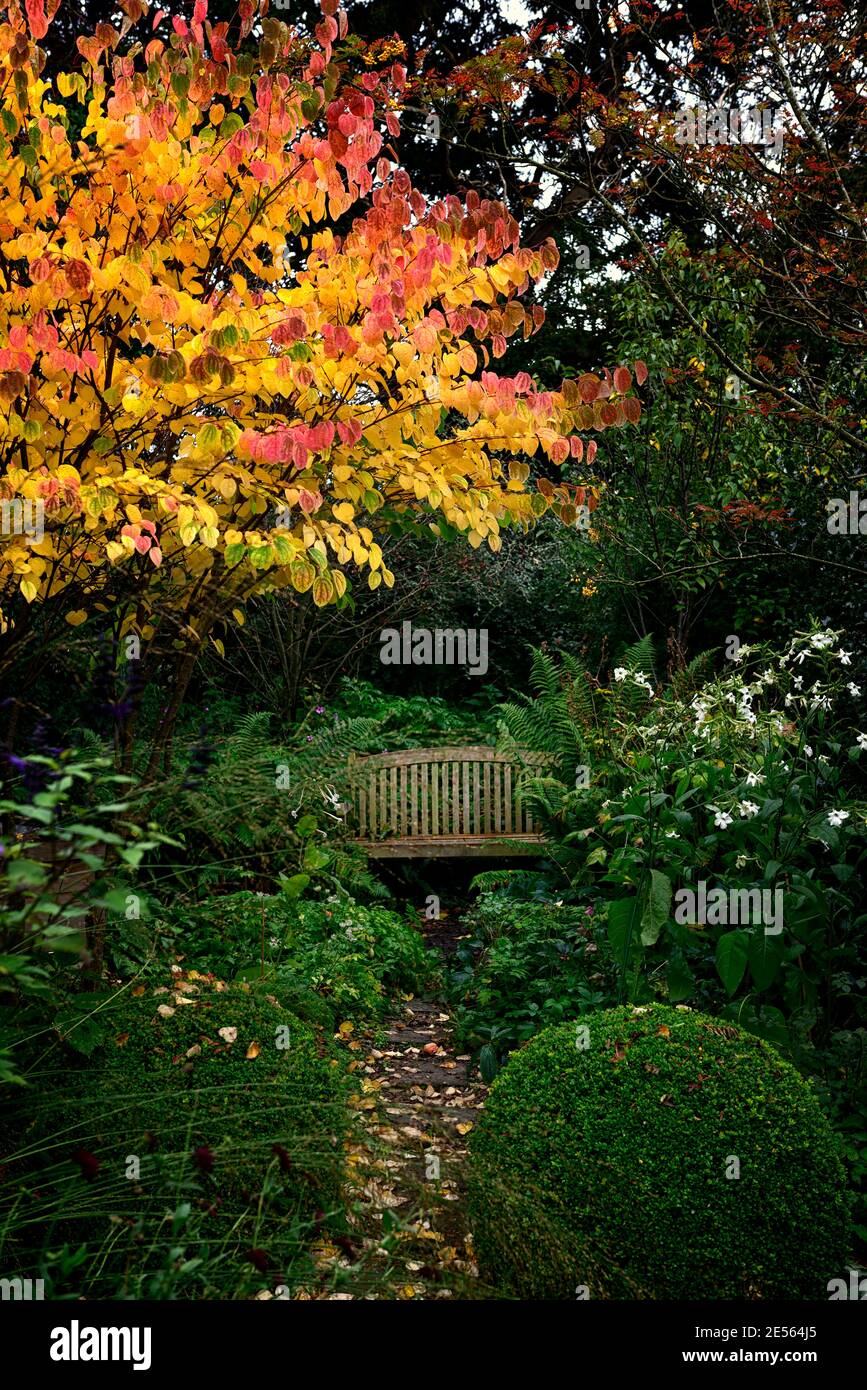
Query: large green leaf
(623,934)
(680,979)
(657,907)
(765,956)
(732,953)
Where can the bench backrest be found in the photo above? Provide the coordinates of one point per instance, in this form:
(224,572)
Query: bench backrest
(441,792)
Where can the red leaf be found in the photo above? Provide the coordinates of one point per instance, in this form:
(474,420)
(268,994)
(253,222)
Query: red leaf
(622,380)
(640,373)
(589,385)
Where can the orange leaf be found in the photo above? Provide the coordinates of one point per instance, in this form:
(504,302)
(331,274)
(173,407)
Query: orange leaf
(253,1051)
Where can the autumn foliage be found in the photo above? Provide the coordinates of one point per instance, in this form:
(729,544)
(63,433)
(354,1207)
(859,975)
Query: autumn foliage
(235,342)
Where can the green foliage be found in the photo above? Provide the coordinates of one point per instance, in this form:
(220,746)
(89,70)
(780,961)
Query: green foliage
(604,1158)
(331,958)
(752,784)
(255,808)
(68,870)
(210,1095)
(407,721)
(522,967)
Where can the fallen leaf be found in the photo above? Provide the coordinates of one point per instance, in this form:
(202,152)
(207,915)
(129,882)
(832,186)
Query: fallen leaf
(164,1011)
(194,1051)
(228,1034)
(121,1039)
(138,991)
(253,1051)
(465,1127)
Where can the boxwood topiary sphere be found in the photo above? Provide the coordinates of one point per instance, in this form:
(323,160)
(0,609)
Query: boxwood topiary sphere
(604,1166)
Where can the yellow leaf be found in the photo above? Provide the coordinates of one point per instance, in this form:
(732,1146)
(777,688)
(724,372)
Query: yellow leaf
(77,618)
(253,1051)
(464,1128)
(239,616)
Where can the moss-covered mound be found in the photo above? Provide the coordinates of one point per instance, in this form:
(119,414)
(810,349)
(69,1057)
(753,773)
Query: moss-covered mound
(654,1152)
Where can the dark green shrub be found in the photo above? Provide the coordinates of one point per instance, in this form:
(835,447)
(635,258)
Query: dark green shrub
(607,1166)
(329,958)
(522,967)
(225,1100)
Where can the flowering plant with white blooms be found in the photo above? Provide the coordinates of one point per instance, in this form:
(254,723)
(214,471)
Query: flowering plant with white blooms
(751,782)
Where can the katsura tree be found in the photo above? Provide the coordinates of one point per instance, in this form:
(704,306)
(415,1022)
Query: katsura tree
(237,346)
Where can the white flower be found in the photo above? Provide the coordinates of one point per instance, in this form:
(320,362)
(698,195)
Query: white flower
(801,657)
(808,750)
(797,682)
(620,673)
(722,820)
(768,677)
(861,741)
(741,861)
(753,779)
(845,658)
(822,639)
(749,809)
(670,834)
(837,817)
(741,653)
(854,689)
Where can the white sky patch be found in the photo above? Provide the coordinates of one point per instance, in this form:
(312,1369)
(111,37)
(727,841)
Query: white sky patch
(515,11)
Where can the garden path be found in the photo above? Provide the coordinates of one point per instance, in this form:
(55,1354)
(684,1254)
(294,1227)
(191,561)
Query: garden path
(418,1106)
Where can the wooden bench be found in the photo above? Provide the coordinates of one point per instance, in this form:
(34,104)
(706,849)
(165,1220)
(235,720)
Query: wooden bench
(439,802)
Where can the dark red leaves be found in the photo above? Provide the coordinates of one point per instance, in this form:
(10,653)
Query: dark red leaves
(87,1162)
